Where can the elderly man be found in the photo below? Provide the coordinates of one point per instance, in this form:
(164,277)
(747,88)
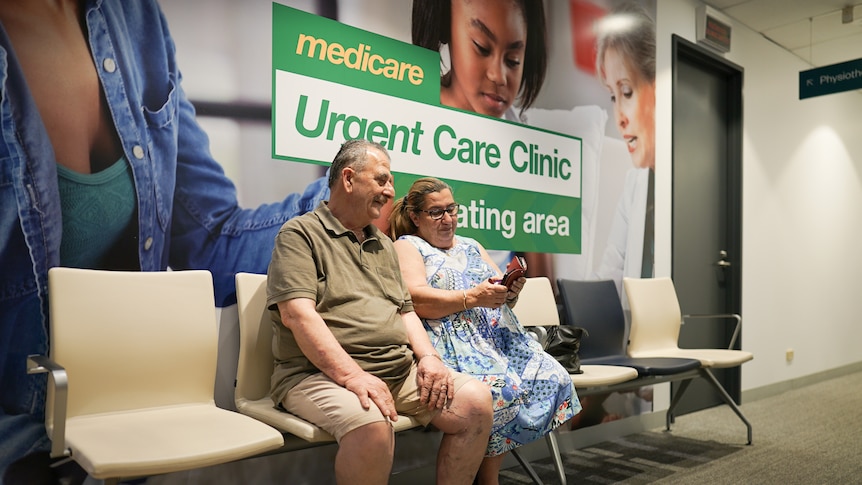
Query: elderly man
(350,352)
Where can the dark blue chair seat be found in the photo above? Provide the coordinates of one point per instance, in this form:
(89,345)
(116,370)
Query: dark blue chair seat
(647,366)
(595,306)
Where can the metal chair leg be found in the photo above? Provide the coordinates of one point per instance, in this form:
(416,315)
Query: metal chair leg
(669,416)
(528,468)
(730,402)
(554,449)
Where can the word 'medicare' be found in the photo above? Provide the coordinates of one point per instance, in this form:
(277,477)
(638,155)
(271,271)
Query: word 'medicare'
(359,58)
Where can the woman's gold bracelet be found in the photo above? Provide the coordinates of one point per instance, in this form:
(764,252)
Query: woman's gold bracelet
(465,300)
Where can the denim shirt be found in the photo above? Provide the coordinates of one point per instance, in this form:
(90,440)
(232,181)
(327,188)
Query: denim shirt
(188,215)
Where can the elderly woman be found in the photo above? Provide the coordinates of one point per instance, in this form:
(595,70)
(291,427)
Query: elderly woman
(469,319)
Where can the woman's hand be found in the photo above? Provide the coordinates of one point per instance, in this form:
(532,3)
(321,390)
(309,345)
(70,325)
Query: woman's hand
(487,294)
(515,290)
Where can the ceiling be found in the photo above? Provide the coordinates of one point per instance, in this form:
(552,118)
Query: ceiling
(811,29)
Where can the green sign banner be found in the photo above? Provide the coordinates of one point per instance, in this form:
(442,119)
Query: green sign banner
(321,48)
(519,186)
(529,221)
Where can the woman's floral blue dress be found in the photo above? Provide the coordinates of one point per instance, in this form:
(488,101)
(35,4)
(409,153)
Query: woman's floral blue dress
(532,393)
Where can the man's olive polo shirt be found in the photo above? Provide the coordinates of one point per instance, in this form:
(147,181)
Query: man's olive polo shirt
(357,288)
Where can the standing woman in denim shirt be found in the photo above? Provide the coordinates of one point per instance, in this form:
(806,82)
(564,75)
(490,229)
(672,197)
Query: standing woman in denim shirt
(92,114)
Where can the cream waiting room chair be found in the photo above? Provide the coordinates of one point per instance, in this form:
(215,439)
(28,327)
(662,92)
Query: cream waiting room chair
(655,326)
(255,367)
(594,305)
(132,373)
(536,307)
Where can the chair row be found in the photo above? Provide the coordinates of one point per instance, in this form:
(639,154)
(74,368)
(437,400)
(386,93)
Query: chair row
(651,355)
(141,363)
(132,373)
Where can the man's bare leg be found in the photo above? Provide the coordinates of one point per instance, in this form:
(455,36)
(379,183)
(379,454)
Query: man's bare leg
(466,426)
(365,455)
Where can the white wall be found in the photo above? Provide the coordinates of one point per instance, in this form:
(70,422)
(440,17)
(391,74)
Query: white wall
(802,207)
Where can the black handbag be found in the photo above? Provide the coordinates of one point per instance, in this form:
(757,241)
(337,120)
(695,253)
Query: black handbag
(563,343)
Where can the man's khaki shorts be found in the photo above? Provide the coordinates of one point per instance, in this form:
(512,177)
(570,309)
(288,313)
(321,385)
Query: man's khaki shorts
(319,400)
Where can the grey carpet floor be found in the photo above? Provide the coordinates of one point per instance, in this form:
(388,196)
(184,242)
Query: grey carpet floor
(809,435)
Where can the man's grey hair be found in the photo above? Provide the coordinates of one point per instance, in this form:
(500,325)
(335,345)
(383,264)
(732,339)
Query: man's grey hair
(353,154)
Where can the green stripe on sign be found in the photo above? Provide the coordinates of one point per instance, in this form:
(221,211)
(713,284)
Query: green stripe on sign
(517,220)
(321,48)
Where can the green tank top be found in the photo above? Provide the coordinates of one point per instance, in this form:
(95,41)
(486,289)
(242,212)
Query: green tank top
(100,228)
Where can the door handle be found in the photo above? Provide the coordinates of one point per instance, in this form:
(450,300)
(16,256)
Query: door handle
(723,263)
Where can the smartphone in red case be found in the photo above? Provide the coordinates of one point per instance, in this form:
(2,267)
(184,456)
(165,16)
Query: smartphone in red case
(516,268)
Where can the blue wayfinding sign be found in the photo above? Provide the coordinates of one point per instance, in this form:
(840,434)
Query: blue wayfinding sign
(836,78)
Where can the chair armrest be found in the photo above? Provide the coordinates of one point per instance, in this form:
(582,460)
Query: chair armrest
(734,316)
(39,364)
(538,333)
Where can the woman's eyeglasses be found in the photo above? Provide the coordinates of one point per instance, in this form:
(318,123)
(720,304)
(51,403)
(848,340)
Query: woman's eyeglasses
(437,214)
